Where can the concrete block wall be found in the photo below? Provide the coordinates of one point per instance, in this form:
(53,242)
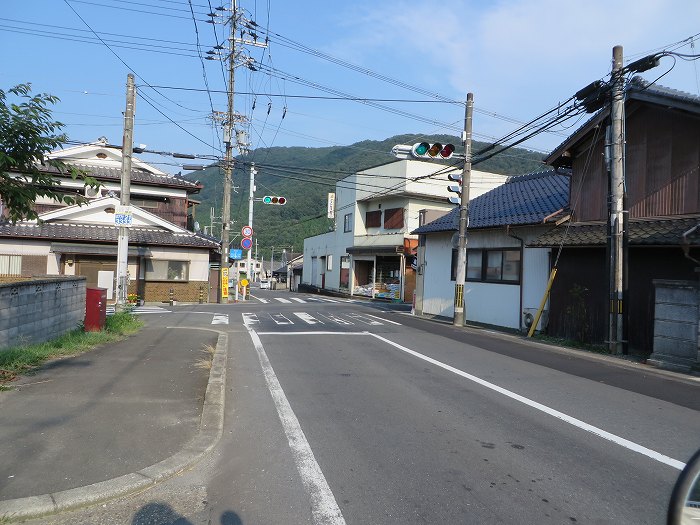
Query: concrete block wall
(676,325)
(40,309)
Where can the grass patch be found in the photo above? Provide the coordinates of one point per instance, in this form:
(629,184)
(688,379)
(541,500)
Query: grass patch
(24,358)
(559,341)
(205,362)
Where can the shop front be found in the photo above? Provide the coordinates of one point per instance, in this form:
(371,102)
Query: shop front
(383,272)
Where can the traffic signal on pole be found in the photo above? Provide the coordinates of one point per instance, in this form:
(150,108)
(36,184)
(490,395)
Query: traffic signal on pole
(426,150)
(455,188)
(272,199)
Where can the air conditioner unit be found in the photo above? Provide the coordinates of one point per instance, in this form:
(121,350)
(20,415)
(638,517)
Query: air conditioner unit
(528,317)
(92,193)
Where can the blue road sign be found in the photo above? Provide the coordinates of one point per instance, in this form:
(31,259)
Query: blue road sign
(235,253)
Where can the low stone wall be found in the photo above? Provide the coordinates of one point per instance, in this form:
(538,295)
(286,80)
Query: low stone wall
(40,309)
(676,325)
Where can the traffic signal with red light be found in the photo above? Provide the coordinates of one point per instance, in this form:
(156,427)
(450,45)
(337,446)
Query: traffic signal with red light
(426,150)
(272,199)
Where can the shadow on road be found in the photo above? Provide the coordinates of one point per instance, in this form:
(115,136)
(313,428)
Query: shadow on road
(159,513)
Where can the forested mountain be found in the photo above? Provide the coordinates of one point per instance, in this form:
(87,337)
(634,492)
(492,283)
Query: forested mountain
(305,176)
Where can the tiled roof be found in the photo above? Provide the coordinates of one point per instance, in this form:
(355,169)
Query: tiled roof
(648,232)
(638,89)
(523,199)
(137,176)
(104,234)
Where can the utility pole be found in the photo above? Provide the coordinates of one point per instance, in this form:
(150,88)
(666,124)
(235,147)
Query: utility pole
(459,315)
(251,196)
(228,159)
(124,198)
(617,211)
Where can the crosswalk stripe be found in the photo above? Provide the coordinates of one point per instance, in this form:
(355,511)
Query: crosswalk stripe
(297,300)
(280,319)
(264,301)
(307,318)
(220,319)
(282,300)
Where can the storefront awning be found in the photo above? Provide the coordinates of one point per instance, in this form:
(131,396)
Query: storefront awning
(375,250)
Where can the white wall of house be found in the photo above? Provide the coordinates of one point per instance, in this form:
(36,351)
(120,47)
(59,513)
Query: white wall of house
(489,303)
(380,188)
(198,259)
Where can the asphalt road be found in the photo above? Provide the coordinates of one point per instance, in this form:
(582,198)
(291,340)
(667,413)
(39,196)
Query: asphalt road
(344,412)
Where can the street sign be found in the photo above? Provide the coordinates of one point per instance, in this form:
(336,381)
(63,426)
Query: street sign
(224,282)
(244,282)
(331,206)
(246,243)
(235,253)
(123,216)
(247,231)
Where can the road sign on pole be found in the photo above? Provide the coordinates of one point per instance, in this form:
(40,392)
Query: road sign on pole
(246,243)
(247,231)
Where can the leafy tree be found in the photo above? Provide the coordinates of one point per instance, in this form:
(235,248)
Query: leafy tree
(27,134)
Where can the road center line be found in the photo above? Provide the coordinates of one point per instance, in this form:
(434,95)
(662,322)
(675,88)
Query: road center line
(324,508)
(543,408)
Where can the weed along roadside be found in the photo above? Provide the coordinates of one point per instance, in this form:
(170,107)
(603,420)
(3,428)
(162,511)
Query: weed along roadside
(24,359)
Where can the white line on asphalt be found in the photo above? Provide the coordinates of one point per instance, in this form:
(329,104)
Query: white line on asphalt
(307,318)
(360,318)
(543,408)
(382,319)
(280,319)
(264,301)
(312,333)
(336,319)
(297,300)
(249,319)
(220,319)
(282,300)
(324,507)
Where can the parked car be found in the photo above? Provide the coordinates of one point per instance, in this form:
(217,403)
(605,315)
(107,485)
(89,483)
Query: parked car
(265,284)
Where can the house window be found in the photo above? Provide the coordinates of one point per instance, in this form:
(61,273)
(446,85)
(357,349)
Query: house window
(160,270)
(393,219)
(494,266)
(347,224)
(373,219)
(10,265)
(329,263)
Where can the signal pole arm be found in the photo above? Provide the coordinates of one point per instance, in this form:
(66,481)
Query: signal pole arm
(459,315)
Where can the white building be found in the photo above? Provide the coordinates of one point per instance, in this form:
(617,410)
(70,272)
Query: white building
(371,251)
(505,279)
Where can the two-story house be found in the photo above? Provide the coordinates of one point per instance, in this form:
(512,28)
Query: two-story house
(167,260)
(662,165)
(371,251)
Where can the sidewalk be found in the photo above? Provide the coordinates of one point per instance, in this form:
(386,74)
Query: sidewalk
(106,414)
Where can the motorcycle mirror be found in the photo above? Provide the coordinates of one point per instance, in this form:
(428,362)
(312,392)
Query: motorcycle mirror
(684,507)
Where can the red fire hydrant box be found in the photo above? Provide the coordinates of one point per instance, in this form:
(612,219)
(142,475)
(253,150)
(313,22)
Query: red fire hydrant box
(95,309)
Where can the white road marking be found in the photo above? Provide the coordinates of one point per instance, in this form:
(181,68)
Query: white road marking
(328,300)
(382,319)
(307,318)
(359,317)
(282,300)
(250,319)
(220,319)
(297,300)
(324,507)
(336,319)
(313,333)
(264,301)
(280,319)
(543,408)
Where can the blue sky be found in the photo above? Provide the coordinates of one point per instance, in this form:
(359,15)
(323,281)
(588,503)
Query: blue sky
(518,57)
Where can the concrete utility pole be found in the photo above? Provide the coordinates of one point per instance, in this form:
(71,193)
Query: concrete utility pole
(124,198)
(251,197)
(228,159)
(617,192)
(460,316)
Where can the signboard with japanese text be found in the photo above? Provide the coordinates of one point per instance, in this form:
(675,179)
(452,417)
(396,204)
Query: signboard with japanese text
(331,205)
(123,216)
(224,282)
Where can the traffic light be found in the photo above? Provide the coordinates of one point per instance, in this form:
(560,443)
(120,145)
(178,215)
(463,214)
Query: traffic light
(455,188)
(272,199)
(426,150)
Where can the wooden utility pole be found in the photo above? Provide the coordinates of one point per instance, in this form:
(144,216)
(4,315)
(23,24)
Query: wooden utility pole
(617,211)
(460,277)
(124,198)
(228,158)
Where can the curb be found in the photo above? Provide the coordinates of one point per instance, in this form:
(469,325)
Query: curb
(210,430)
